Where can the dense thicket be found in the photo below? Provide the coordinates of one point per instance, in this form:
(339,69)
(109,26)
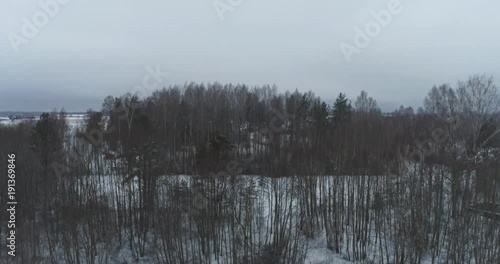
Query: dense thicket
(398,187)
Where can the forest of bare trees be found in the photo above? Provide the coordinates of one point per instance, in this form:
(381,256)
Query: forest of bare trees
(213,173)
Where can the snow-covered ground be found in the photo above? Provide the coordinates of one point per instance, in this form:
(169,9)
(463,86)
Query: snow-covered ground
(114,189)
(114,193)
(74,120)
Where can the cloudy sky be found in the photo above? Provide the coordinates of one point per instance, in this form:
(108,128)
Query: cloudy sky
(85,50)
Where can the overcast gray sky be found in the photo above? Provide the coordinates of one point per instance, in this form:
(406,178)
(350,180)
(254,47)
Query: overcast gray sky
(90,49)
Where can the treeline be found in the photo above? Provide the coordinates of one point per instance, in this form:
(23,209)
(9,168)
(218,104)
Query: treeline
(403,187)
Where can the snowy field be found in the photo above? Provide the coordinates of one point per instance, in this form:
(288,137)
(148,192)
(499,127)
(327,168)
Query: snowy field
(116,192)
(116,196)
(73,120)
